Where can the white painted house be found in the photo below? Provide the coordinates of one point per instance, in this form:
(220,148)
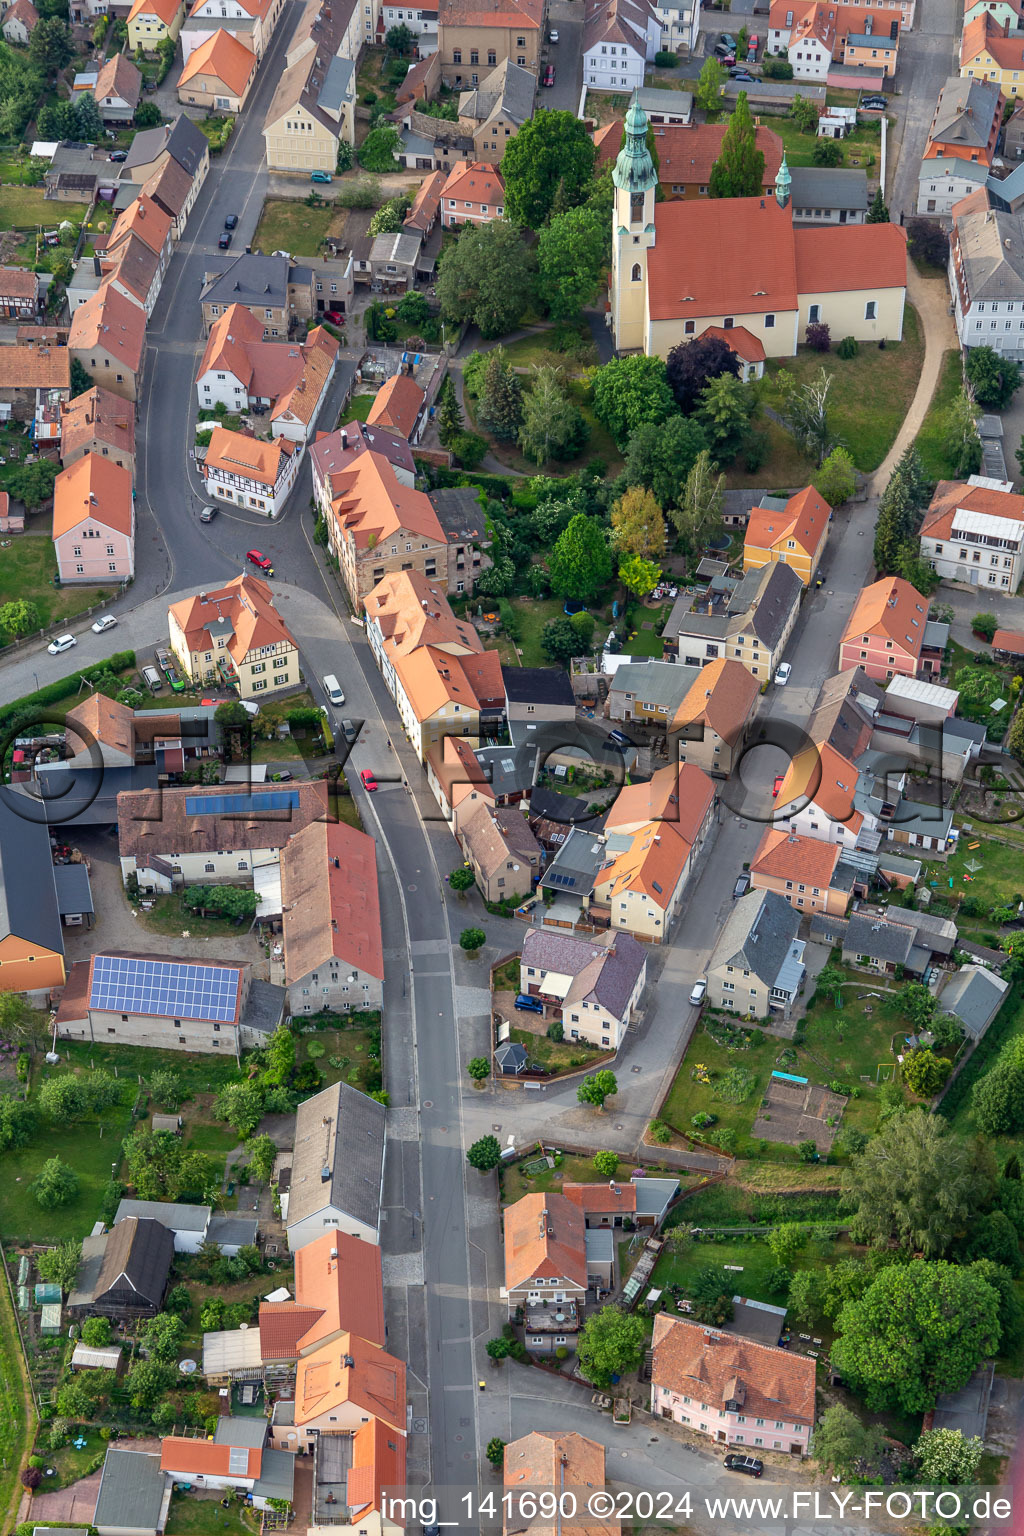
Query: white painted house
(680,25)
(620,38)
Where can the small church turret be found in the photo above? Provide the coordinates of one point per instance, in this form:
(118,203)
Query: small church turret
(783,184)
(635,180)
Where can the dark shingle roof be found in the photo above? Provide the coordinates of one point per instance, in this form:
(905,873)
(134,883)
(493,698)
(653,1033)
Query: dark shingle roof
(880,940)
(758,933)
(351,1148)
(131,1491)
(28,893)
(252,279)
(817,186)
(537,685)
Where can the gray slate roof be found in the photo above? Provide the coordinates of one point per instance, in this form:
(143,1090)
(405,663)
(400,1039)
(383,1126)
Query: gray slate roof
(975,996)
(574,868)
(511,1057)
(762,602)
(131,1491)
(277,1475)
(965,112)
(28,894)
(992,253)
(337,86)
(74,893)
(758,933)
(235,1430)
(950,169)
(824,187)
(350,1149)
(508,89)
(232,1231)
(264,1007)
(621,963)
(537,685)
(181,1218)
(655,682)
(883,941)
(252,280)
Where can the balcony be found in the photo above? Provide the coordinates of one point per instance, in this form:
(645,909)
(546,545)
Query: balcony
(557,1317)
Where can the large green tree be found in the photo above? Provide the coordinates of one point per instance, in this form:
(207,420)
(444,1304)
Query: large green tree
(378,150)
(573,251)
(919,1330)
(486,278)
(550,160)
(709,85)
(638,524)
(724,412)
(51,45)
(993,378)
(739,169)
(691,365)
(661,455)
(55,1185)
(552,426)
(500,402)
(581,561)
(611,1344)
(60,1264)
(163,1336)
(630,391)
(918,1184)
(698,515)
(844,1445)
(998,1097)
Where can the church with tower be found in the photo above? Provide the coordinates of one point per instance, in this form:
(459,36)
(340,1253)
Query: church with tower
(739,268)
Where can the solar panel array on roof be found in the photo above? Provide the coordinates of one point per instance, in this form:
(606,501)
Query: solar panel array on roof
(164,987)
(559,879)
(241,805)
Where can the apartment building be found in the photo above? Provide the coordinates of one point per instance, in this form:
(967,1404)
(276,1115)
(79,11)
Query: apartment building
(474,36)
(249,472)
(235,635)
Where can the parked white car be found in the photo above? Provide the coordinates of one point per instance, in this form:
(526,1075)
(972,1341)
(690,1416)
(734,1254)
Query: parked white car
(103,623)
(698,992)
(62,643)
(783,674)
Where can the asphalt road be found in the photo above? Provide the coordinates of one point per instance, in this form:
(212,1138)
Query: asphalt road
(928,55)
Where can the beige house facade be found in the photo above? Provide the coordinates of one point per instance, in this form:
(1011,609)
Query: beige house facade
(474,38)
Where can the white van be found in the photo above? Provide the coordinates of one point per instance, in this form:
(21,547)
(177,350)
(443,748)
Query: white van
(333,689)
(154,682)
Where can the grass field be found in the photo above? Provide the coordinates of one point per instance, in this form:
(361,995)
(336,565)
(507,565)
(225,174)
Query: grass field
(359,407)
(190,1516)
(539,348)
(90,1147)
(23,207)
(287,224)
(1000,879)
(533,614)
(27,569)
(18,1420)
(515,1184)
(871,393)
(858,148)
(931,440)
(555,1054)
(648,642)
(752,1258)
(785,468)
(198,1074)
(170,915)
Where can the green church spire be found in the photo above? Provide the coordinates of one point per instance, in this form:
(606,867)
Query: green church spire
(634,169)
(783,184)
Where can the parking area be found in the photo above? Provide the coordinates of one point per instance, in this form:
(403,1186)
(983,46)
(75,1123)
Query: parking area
(566,57)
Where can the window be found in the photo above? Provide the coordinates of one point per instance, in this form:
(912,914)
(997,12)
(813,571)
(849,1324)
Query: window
(637,272)
(870,310)
(814,314)
(689,327)
(769,322)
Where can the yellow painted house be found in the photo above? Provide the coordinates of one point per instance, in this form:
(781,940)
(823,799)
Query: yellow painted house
(150,21)
(793,534)
(989,51)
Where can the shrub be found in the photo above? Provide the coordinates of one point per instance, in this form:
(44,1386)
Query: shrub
(666,60)
(818,337)
(847,348)
(556,1031)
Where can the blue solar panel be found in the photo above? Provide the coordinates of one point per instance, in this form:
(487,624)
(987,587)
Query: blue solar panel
(168,988)
(242,805)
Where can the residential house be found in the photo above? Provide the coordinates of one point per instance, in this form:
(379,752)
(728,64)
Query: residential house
(655,834)
(331,925)
(339,1289)
(493,112)
(20,21)
(474,35)
(813,42)
(679,267)
(127,999)
(474,193)
(709,728)
(287,380)
(31,940)
(313,108)
(966,122)
(986,276)
(502,852)
(426,206)
(941,184)
(191,1225)
(118,90)
(872,942)
(35,381)
(620,39)
(259,1473)
(108,337)
(643,1201)
(818,798)
(757,966)
(19,292)
(421,23)
(170,188)
(648,692)
(374,522)
(549,1459)
(973,995)
(732,1389)
(153,149)
(98,422)
(342,1387)
(821,195)
(123,1273)
(792,532)
(400,406)
(168,739)
(591,986)
(337,1169)
(249,472)
(749,622)
(332,452)
(134,1496)
(992,52)
(537,695)
(78,173)
(175,837)
(455,775)
(687,152)
(393,261)
(973,532)
(884,634)
(252,22)
(218,74)
(131,267)
(94,522)
(680,26)
(1000,11)
(151,21)
(231,634)
(811,874)
(276,291)
(870,41)
(1013,134)
(546,1267)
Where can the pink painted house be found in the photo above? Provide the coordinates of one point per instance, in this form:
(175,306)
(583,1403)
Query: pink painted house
(885,634)
(94,522)
(734,1391)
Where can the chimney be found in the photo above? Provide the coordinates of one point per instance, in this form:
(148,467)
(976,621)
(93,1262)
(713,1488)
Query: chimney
(325,1175)
(344,440)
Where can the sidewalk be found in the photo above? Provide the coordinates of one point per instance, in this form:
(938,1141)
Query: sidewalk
(930,297)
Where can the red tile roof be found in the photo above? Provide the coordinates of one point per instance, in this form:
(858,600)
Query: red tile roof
(804,518)
(397,405)
(850,257)
(613,1197)
(747,346)
(331,901)
(717,1368)
(476,182)
(952,496)
(729,256)
(890,609)
(378,1462)
(93,488)
(784,855)
(338,1289)
(544,1236)
(202,1457)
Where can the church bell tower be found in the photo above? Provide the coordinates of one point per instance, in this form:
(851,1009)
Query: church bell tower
(635,181)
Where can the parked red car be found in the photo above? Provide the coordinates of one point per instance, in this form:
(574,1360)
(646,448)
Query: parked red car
(369,782)
(549,75)
(779,780)
(254,557)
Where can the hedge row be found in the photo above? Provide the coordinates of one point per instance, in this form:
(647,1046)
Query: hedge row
(52,693)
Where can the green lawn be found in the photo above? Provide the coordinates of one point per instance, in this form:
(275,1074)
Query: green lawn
(515,1184)
(556,1054)
(90,1148)
(860,148)
(69,1463)
(999,881)
(27,569)
(359,407)
(23,207)
(18,1420)
(532,613)
(170,915)
(648,642)
(198,1074)
(204,1517)
(785,468)
(871,393)
(287,224)
(931,440)
(351,1054)
(753,1259)
(543,347)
